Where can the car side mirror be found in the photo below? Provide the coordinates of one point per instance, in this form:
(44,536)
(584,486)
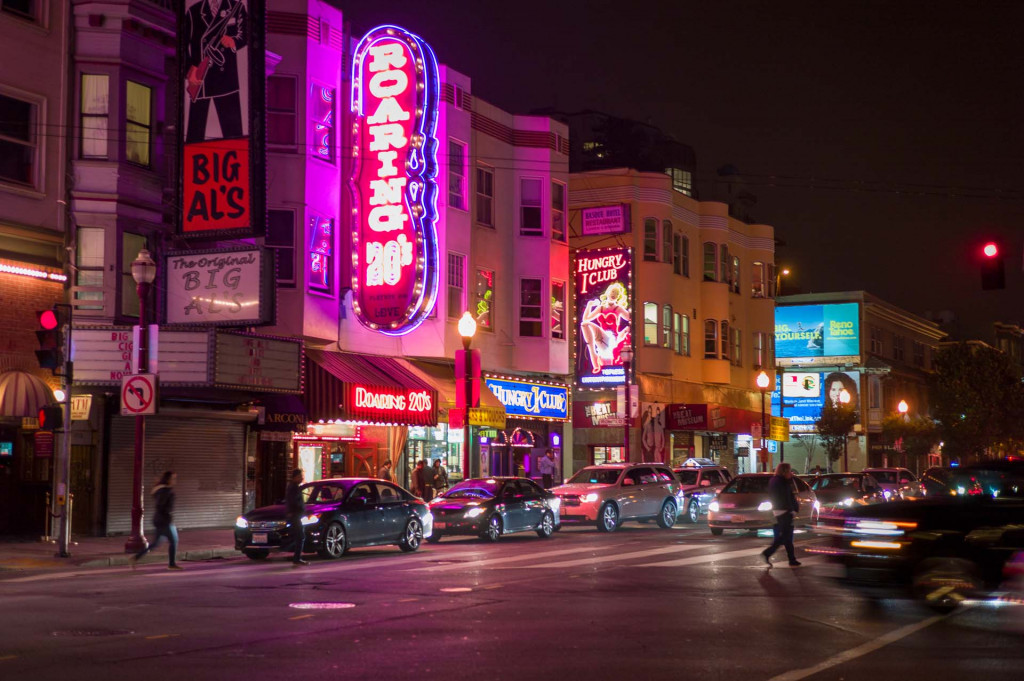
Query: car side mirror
(627,482)
(705,483)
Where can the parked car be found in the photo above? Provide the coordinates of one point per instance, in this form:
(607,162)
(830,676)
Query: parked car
(897,483)
(341,513)
(836,493)
(613,493)
(492,507)
(743,504)
(700,482)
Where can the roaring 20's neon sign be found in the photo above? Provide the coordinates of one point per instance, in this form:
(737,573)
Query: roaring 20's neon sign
(394,230)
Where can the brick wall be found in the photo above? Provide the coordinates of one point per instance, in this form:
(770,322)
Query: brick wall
(20,298)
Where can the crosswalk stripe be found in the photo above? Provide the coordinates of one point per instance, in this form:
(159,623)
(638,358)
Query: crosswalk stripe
(708,558)
(488,562)
(615,557)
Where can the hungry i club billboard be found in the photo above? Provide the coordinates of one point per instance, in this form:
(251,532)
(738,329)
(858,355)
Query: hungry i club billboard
(220,115)
(817,334)
(604,315)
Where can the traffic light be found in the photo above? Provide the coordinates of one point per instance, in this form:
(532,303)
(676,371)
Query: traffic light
(993,274)
(51,337)
(50,417)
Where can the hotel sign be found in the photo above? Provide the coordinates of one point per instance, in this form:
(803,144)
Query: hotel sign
(605,219)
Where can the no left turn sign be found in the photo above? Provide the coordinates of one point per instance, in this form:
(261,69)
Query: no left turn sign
(138,395)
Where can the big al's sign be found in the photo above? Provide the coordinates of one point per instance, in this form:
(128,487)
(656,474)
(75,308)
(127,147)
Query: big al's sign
(394,230)
(604,315)
(378,404)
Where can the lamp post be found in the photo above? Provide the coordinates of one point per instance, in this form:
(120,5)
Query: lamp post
(784,272)
(627,360)
(844,398)
(467,329)
(143,272)
(762,384)
(903,408)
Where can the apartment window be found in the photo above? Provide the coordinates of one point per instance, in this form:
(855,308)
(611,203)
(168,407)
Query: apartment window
(666,326)
(531,322)
(281,238)
(650,239)
(650,323)
(131,244)
(686,256)
(899,345)
(321,252)
(725,272)
(558,309)
(759,338)
(918,354)
(666,241)
(138,110)
(95,100)
(682,180)
(677,333)
(686,336)
(735,278)
(725,338)
(281,106)
(456,284)
(876,340)
(757,280)
(484,299)
(456,175)
(18,141)
(530,221)
(485,195)
(711,339)
(89,266)
(737,347)
(874,393)
(321,111)
(26,9)
(677,253)
(710,261)
(558,211)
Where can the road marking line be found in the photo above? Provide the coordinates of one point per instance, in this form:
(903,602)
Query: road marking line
(609,559)
(158,636)
(407,600)
(300,617)
(861,650)
(709,558)
(508,559)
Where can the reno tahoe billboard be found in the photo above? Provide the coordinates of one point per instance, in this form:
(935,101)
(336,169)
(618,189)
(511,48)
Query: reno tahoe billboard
(817,334)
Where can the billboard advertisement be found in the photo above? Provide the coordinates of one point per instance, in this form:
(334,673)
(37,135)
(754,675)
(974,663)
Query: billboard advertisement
(604,315)
(394,191)
(220,287)
(804,396)
(817,334)
(222,72)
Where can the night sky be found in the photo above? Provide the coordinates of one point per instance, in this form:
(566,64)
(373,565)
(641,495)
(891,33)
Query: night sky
(883,140)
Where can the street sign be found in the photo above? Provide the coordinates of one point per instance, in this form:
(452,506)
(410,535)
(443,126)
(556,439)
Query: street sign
(779,429)
(488,417)
(138,395)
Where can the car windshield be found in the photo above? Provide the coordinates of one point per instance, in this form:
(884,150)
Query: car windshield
(884,476)
(751,485)
(688,477)
(324,492)
(596,476)
(474,489)
(837,481)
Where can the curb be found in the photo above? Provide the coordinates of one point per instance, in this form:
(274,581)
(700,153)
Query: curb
(194,555)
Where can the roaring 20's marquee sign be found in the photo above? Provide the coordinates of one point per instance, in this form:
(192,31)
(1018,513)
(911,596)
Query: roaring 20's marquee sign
(394,221)
(604,315)
(378,404)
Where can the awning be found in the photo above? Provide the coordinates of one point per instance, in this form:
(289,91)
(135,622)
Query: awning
(366,388)
(281,412)
(22,394)
(442,378)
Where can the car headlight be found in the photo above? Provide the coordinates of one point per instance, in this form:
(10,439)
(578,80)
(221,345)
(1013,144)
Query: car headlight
(765,506)
(556,504)
(311,519)
(241,523)
(474,512)
(848,502)
(713,507)
(588,498)
(817,505)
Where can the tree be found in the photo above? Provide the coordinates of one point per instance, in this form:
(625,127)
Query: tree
(917,435)
(834,427)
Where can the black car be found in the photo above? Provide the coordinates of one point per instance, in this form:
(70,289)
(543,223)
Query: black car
(341,513)
(491,507)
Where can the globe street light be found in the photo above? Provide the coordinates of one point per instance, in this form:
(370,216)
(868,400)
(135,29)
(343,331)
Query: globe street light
(762,383)
(627,359)
(784,272)
(467,329)
(844,397)
(903,408)
(143,272)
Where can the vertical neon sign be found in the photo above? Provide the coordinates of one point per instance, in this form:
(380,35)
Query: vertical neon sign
(394,217)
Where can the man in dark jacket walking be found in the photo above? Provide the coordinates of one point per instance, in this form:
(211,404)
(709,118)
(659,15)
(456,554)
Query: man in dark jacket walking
(295,509)
(163,520)
(784,505)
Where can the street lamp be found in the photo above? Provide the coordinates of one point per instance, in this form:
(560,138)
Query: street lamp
(762,384)
(143,272)
(903,408)
(844,397)
(627,359)
(784,272)
(467,329)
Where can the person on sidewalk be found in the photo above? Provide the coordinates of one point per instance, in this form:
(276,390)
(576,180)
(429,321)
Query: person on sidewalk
(546,466)
(440,478)
(784,504)
(428,481)
(295,509)
(163,520)
(384,472)
(418,480)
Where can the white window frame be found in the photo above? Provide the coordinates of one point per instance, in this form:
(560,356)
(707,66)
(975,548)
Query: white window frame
(484,201)
(141,125)
(539,319)
(282,250)
(37,143)
(456,278)
(651,324)
(99,130)
(562,335)
(559,228)
(283,114)
(457,197)
(651,240)
(538,208)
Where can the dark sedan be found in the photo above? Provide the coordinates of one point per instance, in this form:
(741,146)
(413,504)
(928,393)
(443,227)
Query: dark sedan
(838,492)
(341,513)
(492,507)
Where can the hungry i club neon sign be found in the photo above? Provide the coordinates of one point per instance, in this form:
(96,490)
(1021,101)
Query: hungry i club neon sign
(394,217)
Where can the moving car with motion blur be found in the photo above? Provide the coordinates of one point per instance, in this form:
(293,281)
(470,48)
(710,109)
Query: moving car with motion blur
(701,479)
(613,493)
(492,507)
(744,504)
(341,513)
(838,492)
(897,483)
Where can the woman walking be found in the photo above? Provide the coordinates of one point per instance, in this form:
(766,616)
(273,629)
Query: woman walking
(163,520)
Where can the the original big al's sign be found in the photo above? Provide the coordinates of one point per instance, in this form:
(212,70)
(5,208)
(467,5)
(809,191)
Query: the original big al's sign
(394,233)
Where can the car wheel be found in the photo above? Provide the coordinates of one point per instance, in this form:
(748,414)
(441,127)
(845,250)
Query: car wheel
(493,530)
(667,517)
(334,541)
(608,518)
(256,554)
(412,537)
(717,531)
(547,526)
(434,537)
(693,512)
(944,583)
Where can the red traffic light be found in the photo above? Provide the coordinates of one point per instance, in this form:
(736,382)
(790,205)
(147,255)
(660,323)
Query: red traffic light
(48,319)
(990,249)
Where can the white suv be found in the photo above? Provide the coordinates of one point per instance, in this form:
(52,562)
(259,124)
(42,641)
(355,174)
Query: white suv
(613,493)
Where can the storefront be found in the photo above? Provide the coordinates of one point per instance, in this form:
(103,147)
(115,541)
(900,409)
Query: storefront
(598,431)
(711,431)
(26,454)
(537,413)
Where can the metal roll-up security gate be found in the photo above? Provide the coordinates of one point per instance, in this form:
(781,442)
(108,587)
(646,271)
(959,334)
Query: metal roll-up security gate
(208,454)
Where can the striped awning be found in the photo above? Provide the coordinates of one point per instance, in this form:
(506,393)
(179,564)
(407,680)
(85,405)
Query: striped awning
(22,394)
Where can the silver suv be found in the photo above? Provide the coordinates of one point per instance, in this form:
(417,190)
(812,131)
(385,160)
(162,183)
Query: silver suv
(700,485)
(610,494)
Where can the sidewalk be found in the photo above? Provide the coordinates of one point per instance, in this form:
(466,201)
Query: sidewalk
(32,554)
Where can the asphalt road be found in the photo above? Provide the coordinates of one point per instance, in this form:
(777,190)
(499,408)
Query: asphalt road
(642,603)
